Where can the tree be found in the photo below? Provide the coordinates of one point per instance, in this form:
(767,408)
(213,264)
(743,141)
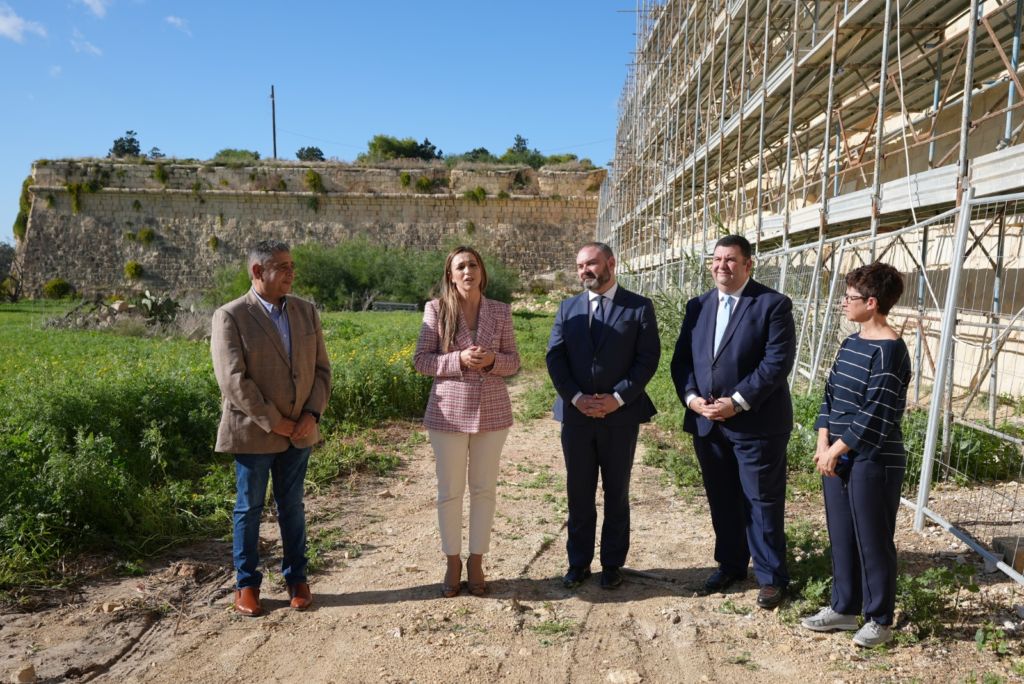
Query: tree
(520,145)
(126,146)
(310,154)
(155,153)
(6,259)
(520,153)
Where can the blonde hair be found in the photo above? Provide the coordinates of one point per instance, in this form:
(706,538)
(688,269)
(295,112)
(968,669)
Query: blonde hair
(448,297)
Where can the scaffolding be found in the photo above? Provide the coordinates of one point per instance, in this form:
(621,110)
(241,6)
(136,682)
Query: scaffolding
(832,134)
(766,117)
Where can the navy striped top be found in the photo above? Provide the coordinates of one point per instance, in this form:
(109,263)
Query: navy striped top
(865,397)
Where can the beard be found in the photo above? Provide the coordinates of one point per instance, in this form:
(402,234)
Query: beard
(597,281)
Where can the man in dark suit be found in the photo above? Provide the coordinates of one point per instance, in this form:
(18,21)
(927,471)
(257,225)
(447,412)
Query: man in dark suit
(603,350)
(736,348)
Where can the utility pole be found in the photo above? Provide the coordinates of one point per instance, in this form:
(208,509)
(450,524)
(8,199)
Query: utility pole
(273,120)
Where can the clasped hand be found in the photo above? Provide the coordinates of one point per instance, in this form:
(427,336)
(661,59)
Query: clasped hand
(713,409)
(476,358)
(597,405)
(296,429)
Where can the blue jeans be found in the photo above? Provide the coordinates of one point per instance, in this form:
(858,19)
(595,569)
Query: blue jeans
(252,471)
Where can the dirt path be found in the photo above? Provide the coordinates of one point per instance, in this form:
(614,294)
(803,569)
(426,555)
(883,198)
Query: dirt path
(379,618)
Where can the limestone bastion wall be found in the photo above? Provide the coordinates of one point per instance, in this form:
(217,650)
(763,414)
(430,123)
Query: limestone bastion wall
(181,222)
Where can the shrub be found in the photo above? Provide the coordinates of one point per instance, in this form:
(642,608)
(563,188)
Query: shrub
(476,195)
(424,184)
(136,205)
(133,270)
(470,228)
(213,242)
(57,288)
(404,179)
(146,236)
(384,147)
(233,157)
(313,181)
(503,195)
(129,236)
(160,174)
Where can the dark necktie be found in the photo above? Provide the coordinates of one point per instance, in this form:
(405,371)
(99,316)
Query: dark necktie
(597,323)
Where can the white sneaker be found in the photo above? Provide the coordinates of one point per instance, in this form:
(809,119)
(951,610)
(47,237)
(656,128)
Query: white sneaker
(828,620)
(872,634)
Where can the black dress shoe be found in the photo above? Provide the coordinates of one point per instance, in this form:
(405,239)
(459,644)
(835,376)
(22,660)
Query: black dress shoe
(611,577)
(575,577)
(770,596)
(720,580)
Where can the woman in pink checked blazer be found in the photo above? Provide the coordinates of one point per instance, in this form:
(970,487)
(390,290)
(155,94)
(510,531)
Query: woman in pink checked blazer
(467,344)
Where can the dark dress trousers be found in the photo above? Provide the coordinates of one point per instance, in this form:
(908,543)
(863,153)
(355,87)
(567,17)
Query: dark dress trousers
(742,459)
(623,360)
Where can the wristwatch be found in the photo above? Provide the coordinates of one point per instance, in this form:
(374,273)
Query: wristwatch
(736,406)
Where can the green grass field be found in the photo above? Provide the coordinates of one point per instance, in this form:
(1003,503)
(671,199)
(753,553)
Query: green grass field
(107,440)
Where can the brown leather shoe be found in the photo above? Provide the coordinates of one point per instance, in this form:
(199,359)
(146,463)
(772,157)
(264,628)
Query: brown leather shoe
(770,596)
(302,598)
(247,601)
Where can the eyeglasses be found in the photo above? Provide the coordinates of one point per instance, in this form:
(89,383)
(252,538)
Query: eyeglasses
(852,298)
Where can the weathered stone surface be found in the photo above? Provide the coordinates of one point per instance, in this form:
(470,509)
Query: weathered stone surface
(206,217)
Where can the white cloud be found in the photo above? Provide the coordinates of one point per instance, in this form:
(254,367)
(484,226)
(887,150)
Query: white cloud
(80,44)
(14,27)
(55,71)
(97,7)
(180,24)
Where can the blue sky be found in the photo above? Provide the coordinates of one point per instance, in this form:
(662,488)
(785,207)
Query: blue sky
(193,77)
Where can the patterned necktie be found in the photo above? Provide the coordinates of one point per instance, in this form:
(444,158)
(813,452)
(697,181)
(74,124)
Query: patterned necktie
(724,311)
(597,322)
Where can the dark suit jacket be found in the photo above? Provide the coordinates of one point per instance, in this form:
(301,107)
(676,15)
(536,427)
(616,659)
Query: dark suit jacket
(754,359)
(623,361)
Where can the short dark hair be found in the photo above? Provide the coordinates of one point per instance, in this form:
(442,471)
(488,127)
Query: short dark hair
(603,246)
(736,241)
(878,280)
(264,250)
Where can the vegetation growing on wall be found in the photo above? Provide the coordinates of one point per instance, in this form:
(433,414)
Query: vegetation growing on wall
(476,195)
(24,207)
(133,270)
(146,235)
(384,147)
(424,184)
(160,174)
(75,192)
(313,182)
(404,179)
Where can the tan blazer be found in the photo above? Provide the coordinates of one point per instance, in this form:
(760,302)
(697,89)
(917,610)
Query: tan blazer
(258,383)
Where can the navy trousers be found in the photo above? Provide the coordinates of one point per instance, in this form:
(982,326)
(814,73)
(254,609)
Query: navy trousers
(745,481)
(589,449)
(861,511)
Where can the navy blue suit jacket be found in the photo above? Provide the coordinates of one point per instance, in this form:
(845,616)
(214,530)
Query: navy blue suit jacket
(754,359)
(623,361)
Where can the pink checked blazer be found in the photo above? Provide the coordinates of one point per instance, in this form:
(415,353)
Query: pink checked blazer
(468,400)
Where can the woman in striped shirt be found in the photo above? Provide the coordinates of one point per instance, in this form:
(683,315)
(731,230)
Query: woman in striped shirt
(861,457)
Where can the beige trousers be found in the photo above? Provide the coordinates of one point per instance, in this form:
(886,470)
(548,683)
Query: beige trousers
(455,453)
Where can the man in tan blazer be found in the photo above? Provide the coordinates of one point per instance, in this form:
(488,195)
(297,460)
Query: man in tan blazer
(271,364)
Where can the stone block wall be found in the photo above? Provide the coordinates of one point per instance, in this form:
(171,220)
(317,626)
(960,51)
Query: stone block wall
(89,218)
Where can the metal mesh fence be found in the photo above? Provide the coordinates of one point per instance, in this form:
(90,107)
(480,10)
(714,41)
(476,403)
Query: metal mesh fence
(965,441)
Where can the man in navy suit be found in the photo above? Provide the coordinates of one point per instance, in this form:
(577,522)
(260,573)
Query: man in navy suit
(736,348)
(603,350)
